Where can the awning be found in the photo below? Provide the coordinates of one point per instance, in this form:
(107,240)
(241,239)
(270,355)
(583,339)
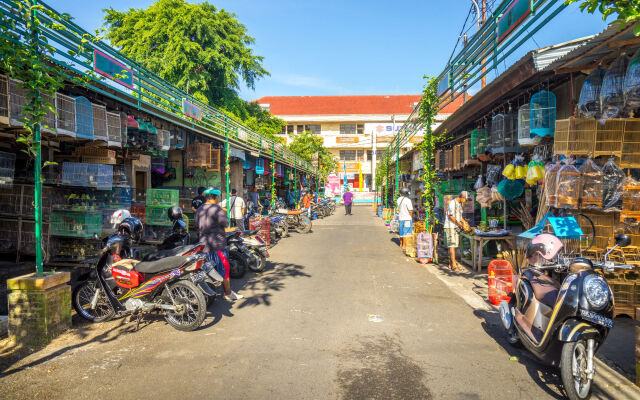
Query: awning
(237,153)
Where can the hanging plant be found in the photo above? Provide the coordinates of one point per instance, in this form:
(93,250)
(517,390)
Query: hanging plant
(273,184)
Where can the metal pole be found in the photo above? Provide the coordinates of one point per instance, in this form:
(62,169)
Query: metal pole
(295,182)
(397,168)
(273,174)
(226,165)
(38,162)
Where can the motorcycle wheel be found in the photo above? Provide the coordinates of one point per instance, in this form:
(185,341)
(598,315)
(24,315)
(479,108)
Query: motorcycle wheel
(83,296)
(285,229)
(187,294)
(573,363)
(238,265)
(258,264)
(304,225)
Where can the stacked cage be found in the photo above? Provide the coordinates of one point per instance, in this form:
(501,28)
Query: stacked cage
(99,122)
(84,118)
(66,118)
(575,137)
(631,144)
(4,100)
(158,202)
(114,130)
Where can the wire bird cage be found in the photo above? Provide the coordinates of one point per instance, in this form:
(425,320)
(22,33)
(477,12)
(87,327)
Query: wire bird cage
(632,83)
(84,118)
(4,100)
(542,113)
(18,99)
(177,139)
(164,139)
(99,122)
(589,102)
(114,130)
(524,128)
(66,119)
(479,141)
(612,91)
(503,133)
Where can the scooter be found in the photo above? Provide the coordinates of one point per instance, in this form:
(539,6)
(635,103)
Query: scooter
(563,321)
(255,249)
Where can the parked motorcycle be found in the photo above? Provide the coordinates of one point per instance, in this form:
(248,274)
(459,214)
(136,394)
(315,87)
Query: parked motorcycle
(121,286)
(562,321)
(237,259)
(255,250)
(296,219)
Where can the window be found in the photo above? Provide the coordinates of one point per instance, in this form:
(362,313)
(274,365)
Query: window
(360,155)
(370,155)
(347,129)
(315,129)
(300,128)
(289,128)
(347,155)
(360,129)
(379,155)
(284,130)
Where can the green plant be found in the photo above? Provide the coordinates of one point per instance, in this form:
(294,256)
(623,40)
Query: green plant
(307,145)
(628,11)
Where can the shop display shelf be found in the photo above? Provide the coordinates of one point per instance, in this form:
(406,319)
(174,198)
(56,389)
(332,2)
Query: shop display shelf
(75,224)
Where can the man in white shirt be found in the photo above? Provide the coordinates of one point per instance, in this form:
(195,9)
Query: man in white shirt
(237,207)
(405,217)
(452,223)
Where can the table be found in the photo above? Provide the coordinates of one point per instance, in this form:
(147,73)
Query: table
(478,242)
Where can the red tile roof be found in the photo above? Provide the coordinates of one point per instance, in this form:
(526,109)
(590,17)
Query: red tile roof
(345,105)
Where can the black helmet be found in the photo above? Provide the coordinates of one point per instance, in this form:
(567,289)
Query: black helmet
(131,226)
(174,213)
(404,191)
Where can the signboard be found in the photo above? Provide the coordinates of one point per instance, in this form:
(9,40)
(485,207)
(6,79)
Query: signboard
(191,110)
(416,139)
(347,140)
(112,69)
(384,139)
(384,128)
(443,85)
(517,12)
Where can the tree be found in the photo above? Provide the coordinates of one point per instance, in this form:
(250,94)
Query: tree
(306,145)
(202,50)
(628,11)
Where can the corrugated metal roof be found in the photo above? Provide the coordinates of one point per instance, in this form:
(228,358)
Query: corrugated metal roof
(546,56)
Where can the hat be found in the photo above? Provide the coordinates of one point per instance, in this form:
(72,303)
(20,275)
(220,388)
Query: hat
(212,191)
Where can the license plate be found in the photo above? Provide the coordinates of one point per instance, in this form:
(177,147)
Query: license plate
(597,318)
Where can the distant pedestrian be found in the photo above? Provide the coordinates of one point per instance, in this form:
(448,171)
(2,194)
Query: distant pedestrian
(347,198)
(237,208)
(405,217)
(198,200)
(452,224)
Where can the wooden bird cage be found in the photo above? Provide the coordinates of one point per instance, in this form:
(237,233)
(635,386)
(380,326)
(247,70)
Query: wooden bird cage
(631,144)
(448,156)
(99,122)
(468,157)
(575,136)
(114,130)
(198,155)
(608,135)
(66,118)
(456,157)
(4,100)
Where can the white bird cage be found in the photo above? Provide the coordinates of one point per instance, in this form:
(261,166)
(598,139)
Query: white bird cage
(84,118)
(17,100)
(4,100)
(66,119)
(114,130)
(164,139)
(100,123)
(524,127)
(503,131)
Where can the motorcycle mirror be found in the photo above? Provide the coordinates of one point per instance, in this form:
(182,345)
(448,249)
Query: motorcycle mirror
(622,240)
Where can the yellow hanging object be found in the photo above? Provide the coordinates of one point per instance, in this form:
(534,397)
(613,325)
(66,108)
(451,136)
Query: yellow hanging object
(521,172)
(509,171)
(532,171)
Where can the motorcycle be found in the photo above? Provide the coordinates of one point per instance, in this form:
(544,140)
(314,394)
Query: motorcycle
(255,250)
(237,259)
(296,219)
(121,286)
(562,321)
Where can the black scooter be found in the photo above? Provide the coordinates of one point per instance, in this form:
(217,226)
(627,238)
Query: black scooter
(564,322)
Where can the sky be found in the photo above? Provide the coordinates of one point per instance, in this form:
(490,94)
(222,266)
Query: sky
(351,47)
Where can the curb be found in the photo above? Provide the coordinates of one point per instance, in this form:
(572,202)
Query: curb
(609,382)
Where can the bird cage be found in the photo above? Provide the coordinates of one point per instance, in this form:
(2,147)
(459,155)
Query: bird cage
(631,144)
(503,131)
(84,118)
(18,99)
(591,191)
(632,85)
(568,187)
(575,136)
(550,183)
(448,160)
(198,155)
(99,122)
(66,119)
(542,113)
(456,157)
(589,102)
(524,128)
(479,141)
(164,139)
(114,130)
(612,91)
(467,157)
(630,200)
(4,100)
(609,133)
(177,139)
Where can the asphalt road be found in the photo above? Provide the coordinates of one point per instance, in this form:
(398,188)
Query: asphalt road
(339,314)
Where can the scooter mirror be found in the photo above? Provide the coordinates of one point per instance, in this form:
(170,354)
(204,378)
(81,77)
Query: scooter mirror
(622,240)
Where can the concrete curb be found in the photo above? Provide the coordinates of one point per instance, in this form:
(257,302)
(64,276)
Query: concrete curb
(608,381)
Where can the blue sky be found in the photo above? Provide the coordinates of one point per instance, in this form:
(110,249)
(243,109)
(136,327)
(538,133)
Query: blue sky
(351,47)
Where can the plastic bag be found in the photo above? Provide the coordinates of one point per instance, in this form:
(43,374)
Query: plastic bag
(478,183)
(612,92)
(550,182)
(483,196)
(568,187)
(591,184)
(612,186)
(493,174)
(632,83)
(589,103)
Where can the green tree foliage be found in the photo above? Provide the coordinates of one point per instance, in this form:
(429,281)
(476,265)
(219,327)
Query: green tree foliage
(307,145)
(627,11)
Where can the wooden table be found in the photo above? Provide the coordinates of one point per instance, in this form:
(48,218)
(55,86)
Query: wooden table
(478,242)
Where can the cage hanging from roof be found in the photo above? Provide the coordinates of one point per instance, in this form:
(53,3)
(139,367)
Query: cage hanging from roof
(542,113)
(18,99)
(479,141)
(84,118)
(4,100)
(66,119)
(524,127)
(164,139)
(503,133)
(177,139)
(589,102)
(632,83)
(612,91)
(99,122)
(114,130)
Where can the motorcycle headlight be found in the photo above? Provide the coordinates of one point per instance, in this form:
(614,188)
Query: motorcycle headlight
(596,291)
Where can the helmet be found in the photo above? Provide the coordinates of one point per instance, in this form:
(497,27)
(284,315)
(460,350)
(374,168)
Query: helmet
(131,226)
(404,191)
(543,248)
(174,213)
(118,216)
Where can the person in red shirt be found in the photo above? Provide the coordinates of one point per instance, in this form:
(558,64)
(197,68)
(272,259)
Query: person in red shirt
(347,198)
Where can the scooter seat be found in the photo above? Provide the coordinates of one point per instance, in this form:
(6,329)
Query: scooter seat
(167,253)
(545,289)
(163,264)
(295,212)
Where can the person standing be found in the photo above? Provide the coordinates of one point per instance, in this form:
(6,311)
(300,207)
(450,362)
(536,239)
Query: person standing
(198,200)
(237,207)
(347,198)
(211,221)
(405,217)
(452,223)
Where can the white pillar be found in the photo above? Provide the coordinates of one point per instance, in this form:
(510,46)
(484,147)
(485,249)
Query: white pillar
(373,159)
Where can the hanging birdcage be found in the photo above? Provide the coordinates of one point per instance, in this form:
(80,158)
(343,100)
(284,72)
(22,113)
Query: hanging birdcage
(542,113)
(591,185)
(99,122)
(568,187)
(550,183)
(589,102)
(198,155)
(479,141)
(114,130)
(612,91)
(503,131)
(66,119)
(632,84)
(4,100)
(177,139)
(18,99)
(84,118)
(524,128)
(164,139)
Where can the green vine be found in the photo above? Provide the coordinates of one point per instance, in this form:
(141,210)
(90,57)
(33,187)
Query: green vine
(273,185)
(428,109)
